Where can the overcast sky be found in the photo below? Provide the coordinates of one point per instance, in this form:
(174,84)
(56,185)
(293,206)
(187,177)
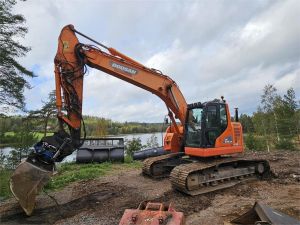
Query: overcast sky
(210,48)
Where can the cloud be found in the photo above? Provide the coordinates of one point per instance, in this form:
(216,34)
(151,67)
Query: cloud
(110,97)
(210,48)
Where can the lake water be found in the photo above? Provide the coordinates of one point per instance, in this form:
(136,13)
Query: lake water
(144,138)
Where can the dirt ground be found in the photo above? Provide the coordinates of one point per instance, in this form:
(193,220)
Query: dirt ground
(103,200)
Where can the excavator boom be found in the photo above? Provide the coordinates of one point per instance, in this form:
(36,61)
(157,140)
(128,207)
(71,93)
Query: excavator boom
(70,61)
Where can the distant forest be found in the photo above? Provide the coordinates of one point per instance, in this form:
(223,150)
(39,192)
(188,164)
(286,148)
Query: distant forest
(274,125)
(95,126)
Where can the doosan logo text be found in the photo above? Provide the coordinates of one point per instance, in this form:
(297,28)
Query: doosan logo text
(124,68)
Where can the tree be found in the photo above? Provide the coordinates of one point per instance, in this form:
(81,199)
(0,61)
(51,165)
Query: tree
(101,127)
(277,119)
(268,101)
(133,145)
(24,139)
(290,100)
(12,73)
(285,109)
(47,111)
(247,123)
(261,122)
(152,142)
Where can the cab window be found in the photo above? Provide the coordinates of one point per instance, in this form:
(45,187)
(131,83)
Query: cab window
(223,117)
(211,117)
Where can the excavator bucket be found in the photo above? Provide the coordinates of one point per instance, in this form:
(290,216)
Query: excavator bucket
(26,182)
(261,214)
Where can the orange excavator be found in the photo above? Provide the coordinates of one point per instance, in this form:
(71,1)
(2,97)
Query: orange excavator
(199,133)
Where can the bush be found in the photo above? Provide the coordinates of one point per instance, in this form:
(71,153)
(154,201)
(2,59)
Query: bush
(285,144)
(128,159)
(255,143)
(133,145)
(152,142)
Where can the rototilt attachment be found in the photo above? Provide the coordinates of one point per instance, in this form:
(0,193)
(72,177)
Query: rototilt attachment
(152,213)
(32,174)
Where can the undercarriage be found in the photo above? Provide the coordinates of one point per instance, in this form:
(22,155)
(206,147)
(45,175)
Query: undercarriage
(197,176)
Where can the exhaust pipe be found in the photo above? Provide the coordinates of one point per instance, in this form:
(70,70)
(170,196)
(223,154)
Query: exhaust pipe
(236,114)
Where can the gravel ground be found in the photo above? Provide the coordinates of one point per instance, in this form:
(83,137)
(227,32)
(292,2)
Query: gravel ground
(103,200)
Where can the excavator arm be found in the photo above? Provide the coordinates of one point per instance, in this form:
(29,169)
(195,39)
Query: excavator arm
(70,61)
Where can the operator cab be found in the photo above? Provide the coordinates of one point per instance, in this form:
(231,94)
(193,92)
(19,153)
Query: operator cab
(205,123)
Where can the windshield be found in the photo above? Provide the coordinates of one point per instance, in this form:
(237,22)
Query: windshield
(193,135)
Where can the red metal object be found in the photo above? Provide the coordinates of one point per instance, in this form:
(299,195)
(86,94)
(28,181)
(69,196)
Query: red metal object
(150,213)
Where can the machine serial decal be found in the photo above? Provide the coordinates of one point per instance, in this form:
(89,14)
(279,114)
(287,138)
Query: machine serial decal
(227,140)
(124,68)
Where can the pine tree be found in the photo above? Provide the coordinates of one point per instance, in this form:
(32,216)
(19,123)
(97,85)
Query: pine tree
(12,73)
(286,109)
(47,111)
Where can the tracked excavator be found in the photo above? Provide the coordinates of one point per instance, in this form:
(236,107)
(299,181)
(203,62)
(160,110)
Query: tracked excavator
(198,136)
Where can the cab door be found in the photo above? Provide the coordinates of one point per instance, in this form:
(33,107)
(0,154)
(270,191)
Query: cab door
(211,125)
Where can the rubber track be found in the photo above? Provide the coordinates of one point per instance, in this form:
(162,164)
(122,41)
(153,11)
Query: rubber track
(180,174)
(150,162)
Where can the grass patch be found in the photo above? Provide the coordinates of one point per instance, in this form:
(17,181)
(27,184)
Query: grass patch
(71,172)
(4,183)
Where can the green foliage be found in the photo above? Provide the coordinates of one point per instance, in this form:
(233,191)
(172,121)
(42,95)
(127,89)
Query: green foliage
(128,159)
(249,141)
(285,110)
(268,98)
(253,142)
(98,126)
(47,112)
(290,100)
(2,159)
(12,73)
(24,139)
(4,184)
(152,142)
(285,144)
(132,164)
(7,138)
(277,118)
(9,124)
(247,123)
(101,127)
(71,172)
(133,145)
(95,126)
